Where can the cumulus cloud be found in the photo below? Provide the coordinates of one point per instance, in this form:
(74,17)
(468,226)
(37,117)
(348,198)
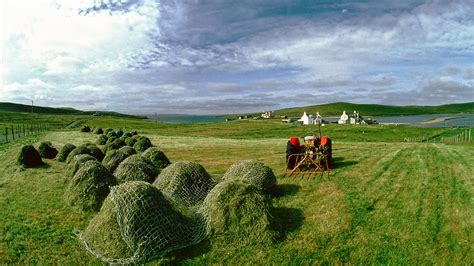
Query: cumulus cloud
(217,56)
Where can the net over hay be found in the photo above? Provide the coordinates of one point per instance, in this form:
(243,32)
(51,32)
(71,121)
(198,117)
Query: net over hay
(90,149)
(254,172)
(238,212)
(113,158)
(102,139)
(157,157)
(187,183)
(77,162)
(46,150)
(29,157)
(89,186)
(135,168)
(115,144)
(142,144)
(64,152)
(128,150)
(137,224)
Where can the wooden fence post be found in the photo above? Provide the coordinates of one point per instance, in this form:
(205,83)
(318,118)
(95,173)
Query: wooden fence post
(6,134)
(13,134)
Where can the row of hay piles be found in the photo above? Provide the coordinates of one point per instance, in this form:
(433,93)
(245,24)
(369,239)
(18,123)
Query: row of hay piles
(89,186)
(64,152)
(90,149)
(46,150)
(186,183)
(137,224)
(135,167)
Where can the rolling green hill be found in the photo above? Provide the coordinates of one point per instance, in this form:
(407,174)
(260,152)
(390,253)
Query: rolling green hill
(22,108)
(335,109)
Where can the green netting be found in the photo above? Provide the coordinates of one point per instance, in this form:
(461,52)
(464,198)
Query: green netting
(149,226)
(89,186)
(254,172)
(186,183)
(128,150)
(102,139)
(135,167)
(113,158)
(238,213)
(90,149)
(142,144)
(76,163)
(157,157)
(116,144)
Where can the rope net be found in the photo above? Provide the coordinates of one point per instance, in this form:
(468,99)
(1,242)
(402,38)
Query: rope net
(148,225)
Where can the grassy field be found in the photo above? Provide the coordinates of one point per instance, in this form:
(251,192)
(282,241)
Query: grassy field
(385,202)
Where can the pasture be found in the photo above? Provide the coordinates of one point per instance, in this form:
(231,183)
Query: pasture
(386,201)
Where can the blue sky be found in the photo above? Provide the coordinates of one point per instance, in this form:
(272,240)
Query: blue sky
(216,57)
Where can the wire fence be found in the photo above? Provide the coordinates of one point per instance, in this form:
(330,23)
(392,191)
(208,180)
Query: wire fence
(12,132)
(465,137)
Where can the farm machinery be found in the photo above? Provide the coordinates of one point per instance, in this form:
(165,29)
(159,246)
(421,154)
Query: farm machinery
(315,155)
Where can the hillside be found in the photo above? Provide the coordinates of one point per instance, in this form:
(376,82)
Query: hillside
(22,108)
(335,109)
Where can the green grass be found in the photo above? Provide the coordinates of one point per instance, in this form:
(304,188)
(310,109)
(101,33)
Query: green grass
(386,202)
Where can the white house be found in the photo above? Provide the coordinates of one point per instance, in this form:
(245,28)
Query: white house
(307,120)
(344,118)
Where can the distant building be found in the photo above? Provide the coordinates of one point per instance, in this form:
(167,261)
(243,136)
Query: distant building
(344,118)
(267,115)
(306,120)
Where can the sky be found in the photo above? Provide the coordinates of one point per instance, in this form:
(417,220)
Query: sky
(228,56)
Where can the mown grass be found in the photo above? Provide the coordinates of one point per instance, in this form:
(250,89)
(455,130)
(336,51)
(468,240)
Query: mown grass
(386,201)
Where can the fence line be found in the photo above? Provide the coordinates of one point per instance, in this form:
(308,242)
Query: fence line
(463,137)
(13,132)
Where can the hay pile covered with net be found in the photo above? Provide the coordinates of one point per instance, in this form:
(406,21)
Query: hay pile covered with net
(157,157)
(29,157)
(142,144)
(64,152)
(77,162)
(238,212)
(135,167)
(113,158)
(115,144)
(102,139)
(186,183)
(128,150)
(254,172)
(137,224)
(99,131)
(46,150)
(89,186)
(90,149)
(130,141)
